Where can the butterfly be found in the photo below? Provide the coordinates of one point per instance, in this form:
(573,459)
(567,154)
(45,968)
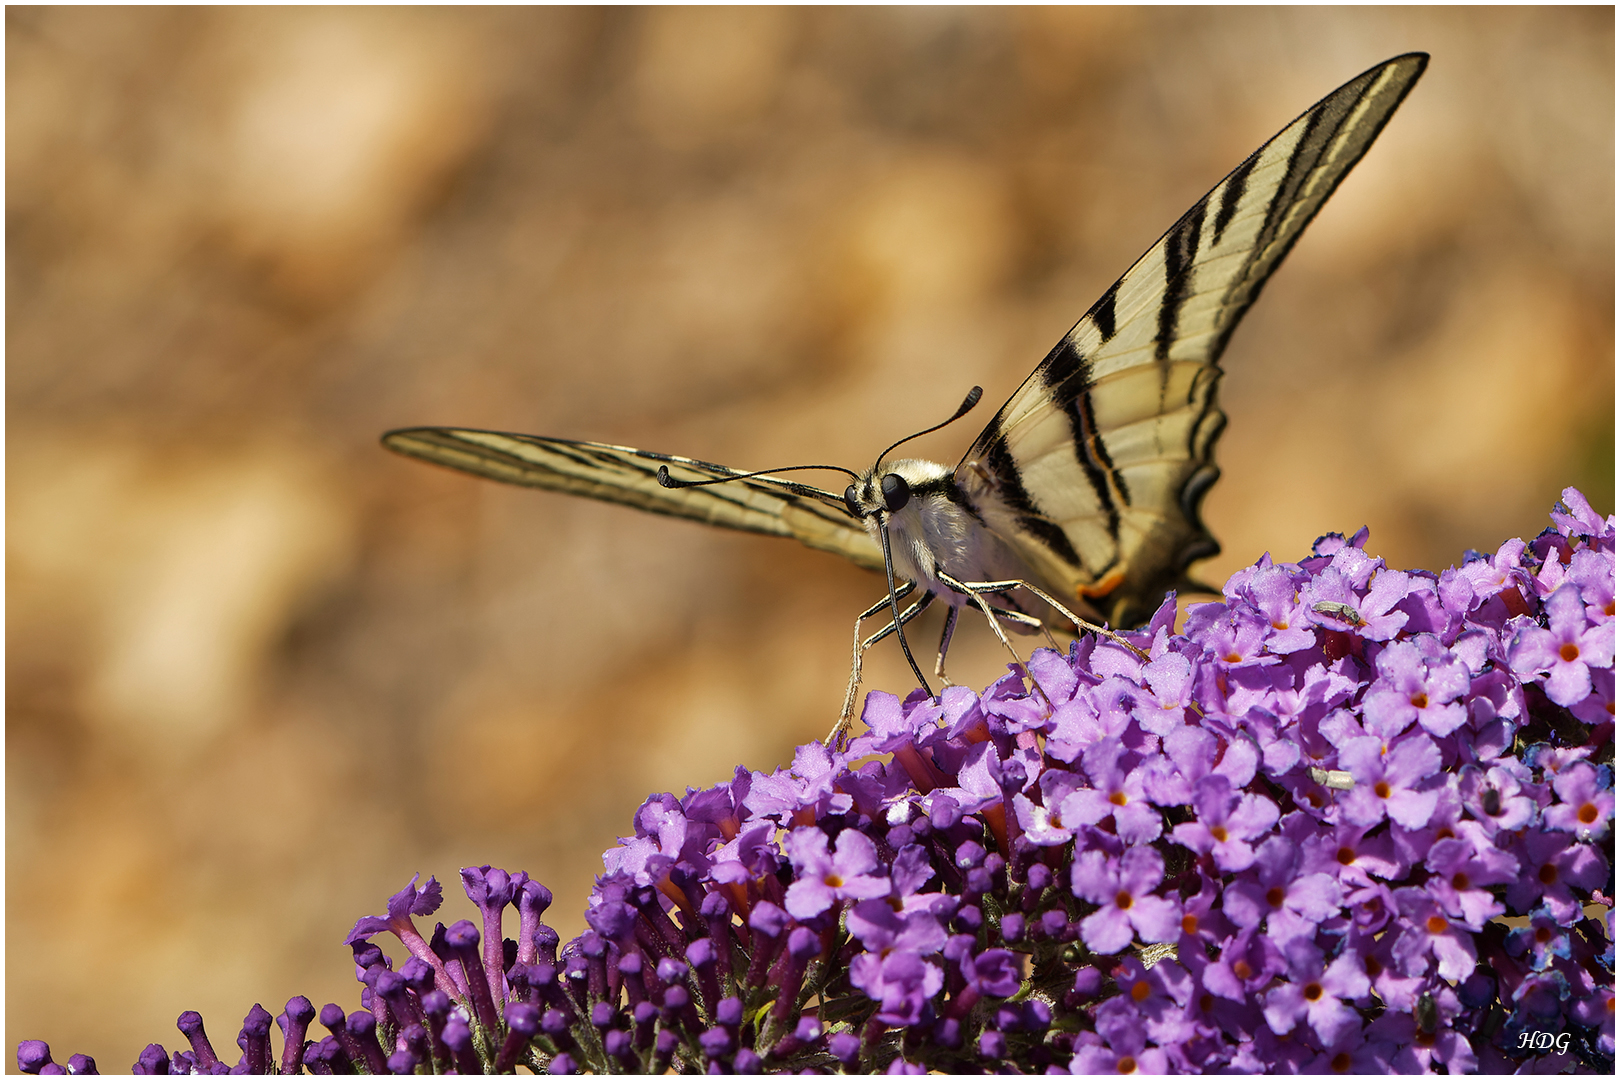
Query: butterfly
(1084,490)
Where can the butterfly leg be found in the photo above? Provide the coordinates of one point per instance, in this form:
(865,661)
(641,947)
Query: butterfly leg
(945,644)
(847,715)
(1028,621)
(1018,617)
(1081,625)
(976,593)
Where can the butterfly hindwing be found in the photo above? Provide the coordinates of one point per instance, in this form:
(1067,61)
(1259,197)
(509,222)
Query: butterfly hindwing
(1094,471)
(625,475)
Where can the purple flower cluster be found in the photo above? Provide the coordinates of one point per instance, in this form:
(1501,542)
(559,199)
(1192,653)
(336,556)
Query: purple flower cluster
(1351,820)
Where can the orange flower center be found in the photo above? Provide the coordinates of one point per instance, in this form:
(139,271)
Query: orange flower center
(1346,856)
(1127,1064)
(1341,1062)
(1313,992)
(1219,833)
(1242,969)
(832,880)
(1117,798)
(1587,814)
(1140,991)
(1436,924)
(1459,881)
(1569,651)
(1381,790)
(1420,701)
(1548,874)
(1275,896)
(1123,900)
(1189,924)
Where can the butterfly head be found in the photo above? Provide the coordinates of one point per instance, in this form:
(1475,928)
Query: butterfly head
(871,494)
(892,487)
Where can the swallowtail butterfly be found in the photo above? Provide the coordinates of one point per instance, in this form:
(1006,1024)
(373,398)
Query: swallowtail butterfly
(1084,490)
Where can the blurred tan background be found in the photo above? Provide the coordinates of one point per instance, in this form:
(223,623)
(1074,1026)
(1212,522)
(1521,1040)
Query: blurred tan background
(259,671)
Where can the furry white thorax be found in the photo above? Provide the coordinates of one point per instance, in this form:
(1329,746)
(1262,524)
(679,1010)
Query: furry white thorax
(933,531)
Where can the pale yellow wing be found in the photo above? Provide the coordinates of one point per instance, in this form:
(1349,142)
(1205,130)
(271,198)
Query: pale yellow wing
(1095,469)
(621,474)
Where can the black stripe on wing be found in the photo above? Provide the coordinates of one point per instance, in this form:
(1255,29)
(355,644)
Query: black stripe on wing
(1102,314)
(1029,516)
(1236,185)
(1180,256)
(1068,376)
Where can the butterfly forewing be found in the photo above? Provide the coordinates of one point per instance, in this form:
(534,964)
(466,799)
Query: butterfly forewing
(625,475)
(1095,469)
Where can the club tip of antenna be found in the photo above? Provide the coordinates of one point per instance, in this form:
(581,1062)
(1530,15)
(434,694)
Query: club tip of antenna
(972,398)
(664,479)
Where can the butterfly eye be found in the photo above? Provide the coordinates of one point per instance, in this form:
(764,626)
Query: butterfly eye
(851,502)
(896,492)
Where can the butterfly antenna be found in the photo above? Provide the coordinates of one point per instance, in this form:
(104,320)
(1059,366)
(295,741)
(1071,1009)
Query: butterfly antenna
(666,480)
(962,410)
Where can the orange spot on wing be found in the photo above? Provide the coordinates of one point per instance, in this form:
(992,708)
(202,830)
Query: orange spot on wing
(1102,586)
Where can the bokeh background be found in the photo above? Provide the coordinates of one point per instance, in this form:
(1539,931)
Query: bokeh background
(259,671)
